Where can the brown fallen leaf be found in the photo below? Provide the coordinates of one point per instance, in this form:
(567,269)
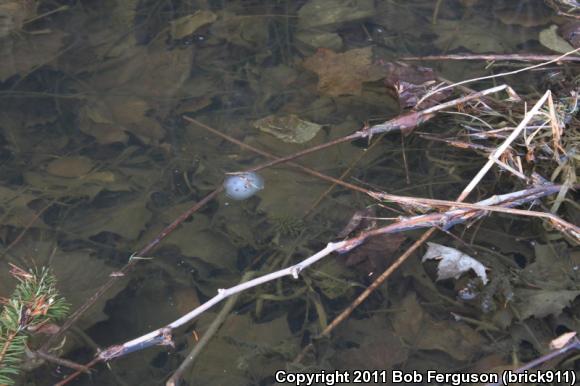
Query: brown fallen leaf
(343,73)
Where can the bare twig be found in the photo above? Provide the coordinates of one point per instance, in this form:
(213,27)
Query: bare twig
(59,361)
(493,57)
(205,339)
(557,59)
(127,267)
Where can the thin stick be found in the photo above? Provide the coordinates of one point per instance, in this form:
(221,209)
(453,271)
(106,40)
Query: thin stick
(77,373)
(494,57)
(400,123)
(411,120)
(26,228)
(434,203)
(367,292)
(127,267)
(557,59)
(159,336)
(344,174)
(305,169)
(60,361)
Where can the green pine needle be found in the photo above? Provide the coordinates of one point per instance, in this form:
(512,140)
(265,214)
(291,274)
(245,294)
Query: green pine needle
(35,302)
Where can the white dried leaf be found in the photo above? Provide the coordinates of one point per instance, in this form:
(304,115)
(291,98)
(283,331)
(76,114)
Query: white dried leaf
(562,340)
(453,263)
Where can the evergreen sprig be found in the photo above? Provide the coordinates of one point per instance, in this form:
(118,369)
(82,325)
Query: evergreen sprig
(34,303)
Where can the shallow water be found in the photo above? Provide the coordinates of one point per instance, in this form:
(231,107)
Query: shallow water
(96,159)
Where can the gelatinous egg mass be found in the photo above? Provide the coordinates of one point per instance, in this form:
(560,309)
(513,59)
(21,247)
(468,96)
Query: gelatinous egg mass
(243,185)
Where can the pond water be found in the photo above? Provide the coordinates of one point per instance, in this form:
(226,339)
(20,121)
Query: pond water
(96,159)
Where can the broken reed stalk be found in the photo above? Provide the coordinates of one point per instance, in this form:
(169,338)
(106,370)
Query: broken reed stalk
(402,123)
(162,336)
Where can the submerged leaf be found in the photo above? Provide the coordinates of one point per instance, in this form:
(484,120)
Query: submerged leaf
(344,73)
(418,328)
(127,220)
(541,303)
(70,167)
(550,39)
(320,13)
(370,344)
(79,274)
(243,349)
(453,263)
(22,55)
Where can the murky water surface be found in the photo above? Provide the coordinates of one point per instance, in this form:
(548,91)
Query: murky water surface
(96,159)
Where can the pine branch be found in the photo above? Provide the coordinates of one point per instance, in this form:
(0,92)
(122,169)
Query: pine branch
(34,303)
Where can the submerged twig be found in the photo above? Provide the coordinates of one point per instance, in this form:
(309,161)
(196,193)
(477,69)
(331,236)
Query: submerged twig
(205,339)
(127,267)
